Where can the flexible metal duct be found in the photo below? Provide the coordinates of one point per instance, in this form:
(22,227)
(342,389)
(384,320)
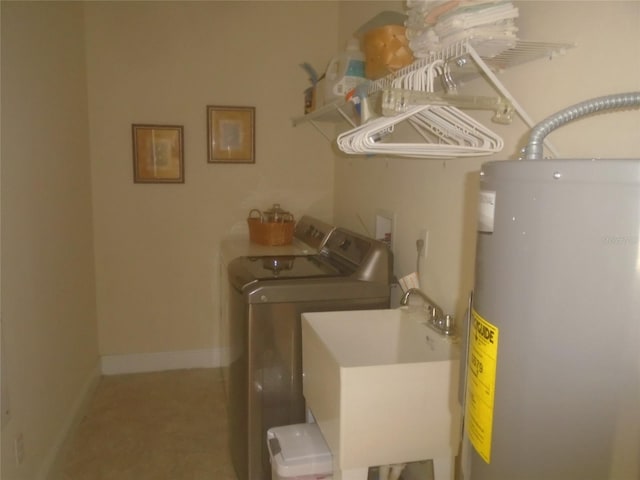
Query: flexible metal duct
(533,150)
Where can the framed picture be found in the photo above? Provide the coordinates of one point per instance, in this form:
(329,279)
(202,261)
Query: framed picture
(231,134)
(158,152)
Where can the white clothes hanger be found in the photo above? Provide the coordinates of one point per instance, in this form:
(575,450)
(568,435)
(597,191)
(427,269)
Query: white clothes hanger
(446,131)
(460,128)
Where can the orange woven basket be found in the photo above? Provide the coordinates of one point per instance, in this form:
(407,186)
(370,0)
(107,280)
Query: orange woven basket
(270,233)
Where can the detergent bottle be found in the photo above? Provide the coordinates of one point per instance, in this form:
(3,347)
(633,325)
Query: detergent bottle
(344,72)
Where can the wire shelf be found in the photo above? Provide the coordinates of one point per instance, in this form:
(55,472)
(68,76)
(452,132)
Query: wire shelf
(468,64)
(458,53)
(525,52)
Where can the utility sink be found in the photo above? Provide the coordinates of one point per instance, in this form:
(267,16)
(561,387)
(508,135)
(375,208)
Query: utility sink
(383,388)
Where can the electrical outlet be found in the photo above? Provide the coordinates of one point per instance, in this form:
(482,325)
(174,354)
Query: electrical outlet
(18,448)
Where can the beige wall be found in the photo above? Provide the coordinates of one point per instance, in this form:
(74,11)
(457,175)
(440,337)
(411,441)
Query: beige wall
(440,195)
(163,63)
(156,246)
(50,350)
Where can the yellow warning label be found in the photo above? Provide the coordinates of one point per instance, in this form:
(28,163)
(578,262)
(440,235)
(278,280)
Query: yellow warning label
(481,380)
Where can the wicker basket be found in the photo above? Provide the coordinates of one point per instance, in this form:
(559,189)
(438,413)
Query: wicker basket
(270,233)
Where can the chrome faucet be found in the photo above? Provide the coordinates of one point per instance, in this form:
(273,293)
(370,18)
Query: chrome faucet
(433,307)
(437,318)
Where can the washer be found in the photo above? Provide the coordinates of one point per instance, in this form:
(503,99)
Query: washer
(268,294)
(309,236)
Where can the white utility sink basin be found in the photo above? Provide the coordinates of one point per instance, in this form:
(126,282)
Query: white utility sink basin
(383,388)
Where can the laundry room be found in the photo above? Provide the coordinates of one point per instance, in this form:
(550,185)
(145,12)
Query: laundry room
(110,271)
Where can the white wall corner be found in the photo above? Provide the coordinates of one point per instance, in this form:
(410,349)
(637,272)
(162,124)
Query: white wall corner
(51,463)
(160,361)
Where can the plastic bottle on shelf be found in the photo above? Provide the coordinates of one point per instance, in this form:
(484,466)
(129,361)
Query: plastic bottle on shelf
(344,72)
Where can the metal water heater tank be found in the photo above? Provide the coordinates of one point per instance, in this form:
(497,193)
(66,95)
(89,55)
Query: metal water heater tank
(553,357)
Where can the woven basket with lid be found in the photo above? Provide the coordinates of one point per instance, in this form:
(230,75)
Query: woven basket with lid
(272,227)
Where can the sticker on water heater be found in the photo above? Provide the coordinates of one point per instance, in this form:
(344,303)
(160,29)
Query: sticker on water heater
(481,380)
(486,211)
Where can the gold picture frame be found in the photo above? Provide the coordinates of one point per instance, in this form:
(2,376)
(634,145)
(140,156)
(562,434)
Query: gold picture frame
(231,134)
(158,153)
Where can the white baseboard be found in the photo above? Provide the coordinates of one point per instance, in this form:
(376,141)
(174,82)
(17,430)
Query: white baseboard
(159,361)
(76,412)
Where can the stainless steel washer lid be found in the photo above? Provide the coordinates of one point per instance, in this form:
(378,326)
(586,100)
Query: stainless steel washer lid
(245,270)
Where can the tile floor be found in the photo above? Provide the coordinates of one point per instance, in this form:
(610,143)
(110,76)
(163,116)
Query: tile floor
(160,426)
(152,426)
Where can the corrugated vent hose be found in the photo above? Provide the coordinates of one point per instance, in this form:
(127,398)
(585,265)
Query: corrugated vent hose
(533,150)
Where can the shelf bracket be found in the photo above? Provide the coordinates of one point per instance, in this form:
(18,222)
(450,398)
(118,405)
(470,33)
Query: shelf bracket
(505,93)
(313,121)
(317,127)
(347,118)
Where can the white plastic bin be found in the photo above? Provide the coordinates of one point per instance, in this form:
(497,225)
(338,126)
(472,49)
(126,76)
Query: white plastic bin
(299,452)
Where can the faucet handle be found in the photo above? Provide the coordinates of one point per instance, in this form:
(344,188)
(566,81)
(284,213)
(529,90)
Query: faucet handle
(431,311)
(449,323)
(444,323)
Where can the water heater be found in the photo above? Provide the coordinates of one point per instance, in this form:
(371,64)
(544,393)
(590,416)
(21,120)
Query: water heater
(552,376)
